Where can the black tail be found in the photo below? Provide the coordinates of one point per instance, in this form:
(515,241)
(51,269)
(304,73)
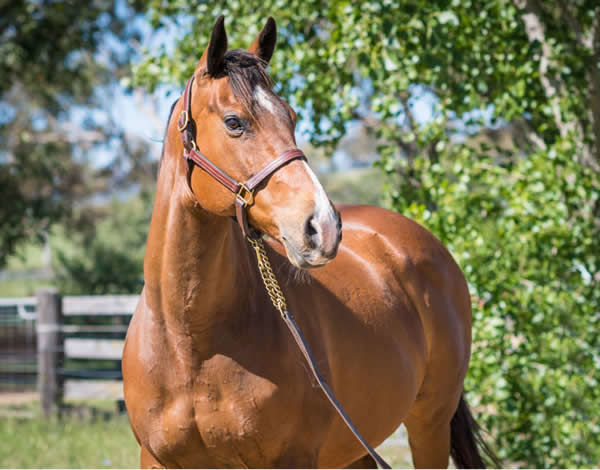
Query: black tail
(466,440)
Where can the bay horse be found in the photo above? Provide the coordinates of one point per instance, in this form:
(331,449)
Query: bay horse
(212,377)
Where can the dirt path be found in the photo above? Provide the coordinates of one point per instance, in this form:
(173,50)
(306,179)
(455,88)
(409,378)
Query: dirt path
(17,398)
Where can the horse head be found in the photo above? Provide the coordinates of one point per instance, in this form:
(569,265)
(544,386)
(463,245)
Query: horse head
(241,126)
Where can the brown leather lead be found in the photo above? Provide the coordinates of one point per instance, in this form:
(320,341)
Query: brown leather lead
(280,303)
(301,342)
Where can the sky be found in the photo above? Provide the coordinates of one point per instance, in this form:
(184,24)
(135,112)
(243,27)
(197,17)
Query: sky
(145,115)
(137,112)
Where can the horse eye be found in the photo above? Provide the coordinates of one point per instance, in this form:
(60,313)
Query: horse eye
(233,123)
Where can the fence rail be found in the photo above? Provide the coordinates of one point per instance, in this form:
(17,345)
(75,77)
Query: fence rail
(112,305)
(72,346)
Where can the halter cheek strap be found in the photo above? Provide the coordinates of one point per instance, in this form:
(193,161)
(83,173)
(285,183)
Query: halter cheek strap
(244,192)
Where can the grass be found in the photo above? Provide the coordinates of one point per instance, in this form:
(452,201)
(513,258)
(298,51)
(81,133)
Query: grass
(31,441)
(397,456)
(27,257)
(71,442)
(21,287)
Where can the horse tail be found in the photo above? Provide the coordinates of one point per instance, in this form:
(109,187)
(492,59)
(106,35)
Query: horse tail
(466,440)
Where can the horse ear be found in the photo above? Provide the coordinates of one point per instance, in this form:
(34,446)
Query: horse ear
(213,56)
(264,45)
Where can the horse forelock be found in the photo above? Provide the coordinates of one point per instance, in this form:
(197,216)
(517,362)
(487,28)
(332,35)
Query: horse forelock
(246,73)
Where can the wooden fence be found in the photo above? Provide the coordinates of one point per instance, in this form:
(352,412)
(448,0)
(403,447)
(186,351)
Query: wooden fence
(78,344)
(18,345)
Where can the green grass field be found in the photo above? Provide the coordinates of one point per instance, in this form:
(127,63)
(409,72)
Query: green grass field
(76,442)
(71,442)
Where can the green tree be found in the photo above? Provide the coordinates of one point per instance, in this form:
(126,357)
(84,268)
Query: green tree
(503,170)
(57,64)
(109,260)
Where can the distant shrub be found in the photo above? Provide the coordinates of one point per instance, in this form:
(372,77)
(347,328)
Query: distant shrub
(108,259)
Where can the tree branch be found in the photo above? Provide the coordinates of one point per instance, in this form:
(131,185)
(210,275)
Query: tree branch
(552,85)
(408,148)
(535,31)
(584,40)
(403,97)
(589,41)
(594,87)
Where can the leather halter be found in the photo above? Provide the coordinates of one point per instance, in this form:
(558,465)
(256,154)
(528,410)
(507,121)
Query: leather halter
(244,192)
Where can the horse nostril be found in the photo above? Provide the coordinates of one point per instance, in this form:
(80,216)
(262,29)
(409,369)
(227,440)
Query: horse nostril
(311,232)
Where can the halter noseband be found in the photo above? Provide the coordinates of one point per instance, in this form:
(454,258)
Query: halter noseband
(244,192)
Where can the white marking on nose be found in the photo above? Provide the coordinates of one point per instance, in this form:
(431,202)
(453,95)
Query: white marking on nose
(323,209)
(264,99)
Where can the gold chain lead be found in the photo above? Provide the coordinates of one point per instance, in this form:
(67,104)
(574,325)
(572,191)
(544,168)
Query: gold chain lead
(268,277)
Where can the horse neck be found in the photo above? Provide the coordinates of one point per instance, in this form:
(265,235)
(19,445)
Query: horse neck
(194,261)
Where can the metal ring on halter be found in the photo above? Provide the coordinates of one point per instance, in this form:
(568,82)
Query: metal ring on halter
(248,200)
(181,127)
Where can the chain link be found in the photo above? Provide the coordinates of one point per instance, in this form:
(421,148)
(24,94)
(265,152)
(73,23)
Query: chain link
(268,277)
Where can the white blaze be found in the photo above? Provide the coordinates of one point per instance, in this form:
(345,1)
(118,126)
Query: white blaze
(323,209)
(264,99)
(323,212)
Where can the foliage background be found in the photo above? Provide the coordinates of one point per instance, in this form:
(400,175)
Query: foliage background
(520,214)
(485,121)
(60,66)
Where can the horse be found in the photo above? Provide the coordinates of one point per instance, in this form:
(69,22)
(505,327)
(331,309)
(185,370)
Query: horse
(212,377)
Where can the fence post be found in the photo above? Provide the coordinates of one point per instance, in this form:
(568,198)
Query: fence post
(50,346)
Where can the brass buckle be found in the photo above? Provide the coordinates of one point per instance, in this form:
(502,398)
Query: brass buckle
(186,122)
(245,195)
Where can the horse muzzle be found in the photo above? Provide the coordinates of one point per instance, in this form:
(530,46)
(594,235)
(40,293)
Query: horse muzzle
(318,243)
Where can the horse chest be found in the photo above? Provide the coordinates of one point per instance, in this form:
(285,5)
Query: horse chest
(231,417)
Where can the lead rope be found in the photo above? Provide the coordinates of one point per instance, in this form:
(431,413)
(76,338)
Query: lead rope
(278,300)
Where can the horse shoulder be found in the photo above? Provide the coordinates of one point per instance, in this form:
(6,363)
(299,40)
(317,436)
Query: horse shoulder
(426,271)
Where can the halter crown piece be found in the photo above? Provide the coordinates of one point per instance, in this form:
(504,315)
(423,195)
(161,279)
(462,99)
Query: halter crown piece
(244,192)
